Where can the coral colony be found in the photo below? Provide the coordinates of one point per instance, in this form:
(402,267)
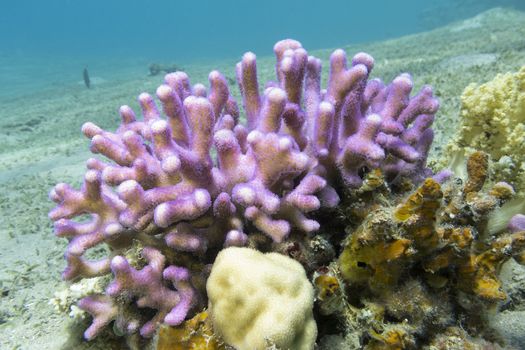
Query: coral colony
(200,176)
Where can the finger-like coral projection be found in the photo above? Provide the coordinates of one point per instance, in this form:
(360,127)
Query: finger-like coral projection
(191,177)
(146,285)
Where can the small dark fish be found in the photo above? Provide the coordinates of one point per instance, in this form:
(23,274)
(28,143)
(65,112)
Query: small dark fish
(156,68)
(87,82)
(230,80)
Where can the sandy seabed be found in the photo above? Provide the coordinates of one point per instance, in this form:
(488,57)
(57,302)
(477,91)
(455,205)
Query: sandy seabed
(41,145)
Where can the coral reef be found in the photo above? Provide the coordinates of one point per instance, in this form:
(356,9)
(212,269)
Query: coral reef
(287,173)
(493,121)
(189,183)
(428,260)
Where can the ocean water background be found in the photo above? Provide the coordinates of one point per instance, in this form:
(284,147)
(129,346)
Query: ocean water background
(48,43)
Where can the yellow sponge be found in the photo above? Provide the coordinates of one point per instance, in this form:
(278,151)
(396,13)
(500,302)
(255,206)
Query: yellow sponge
(493,121)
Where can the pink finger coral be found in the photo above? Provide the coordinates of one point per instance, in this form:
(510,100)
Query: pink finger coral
(189,177)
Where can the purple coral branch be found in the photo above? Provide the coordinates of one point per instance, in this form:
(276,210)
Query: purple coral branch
(517,223)
(189,177)
(147,285)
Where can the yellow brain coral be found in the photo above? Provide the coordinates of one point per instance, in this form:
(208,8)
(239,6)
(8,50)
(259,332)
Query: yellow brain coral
(258,300)
(493,120)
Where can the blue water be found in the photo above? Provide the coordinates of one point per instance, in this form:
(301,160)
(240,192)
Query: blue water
(45,43)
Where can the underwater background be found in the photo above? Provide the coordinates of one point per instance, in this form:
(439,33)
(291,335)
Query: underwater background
(67,62)
(48,42)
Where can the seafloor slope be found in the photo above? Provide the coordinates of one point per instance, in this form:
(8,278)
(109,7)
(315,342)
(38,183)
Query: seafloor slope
(41,145)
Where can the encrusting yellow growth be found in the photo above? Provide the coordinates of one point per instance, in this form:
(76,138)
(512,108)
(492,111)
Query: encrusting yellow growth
(329,294)
(418,214)
(393,339)
(374,262)
(380,258)
(422,202)
(327,286)
(479,272)
(493,121)
(419,256)
(193,334)
(477,169)
(438,229)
